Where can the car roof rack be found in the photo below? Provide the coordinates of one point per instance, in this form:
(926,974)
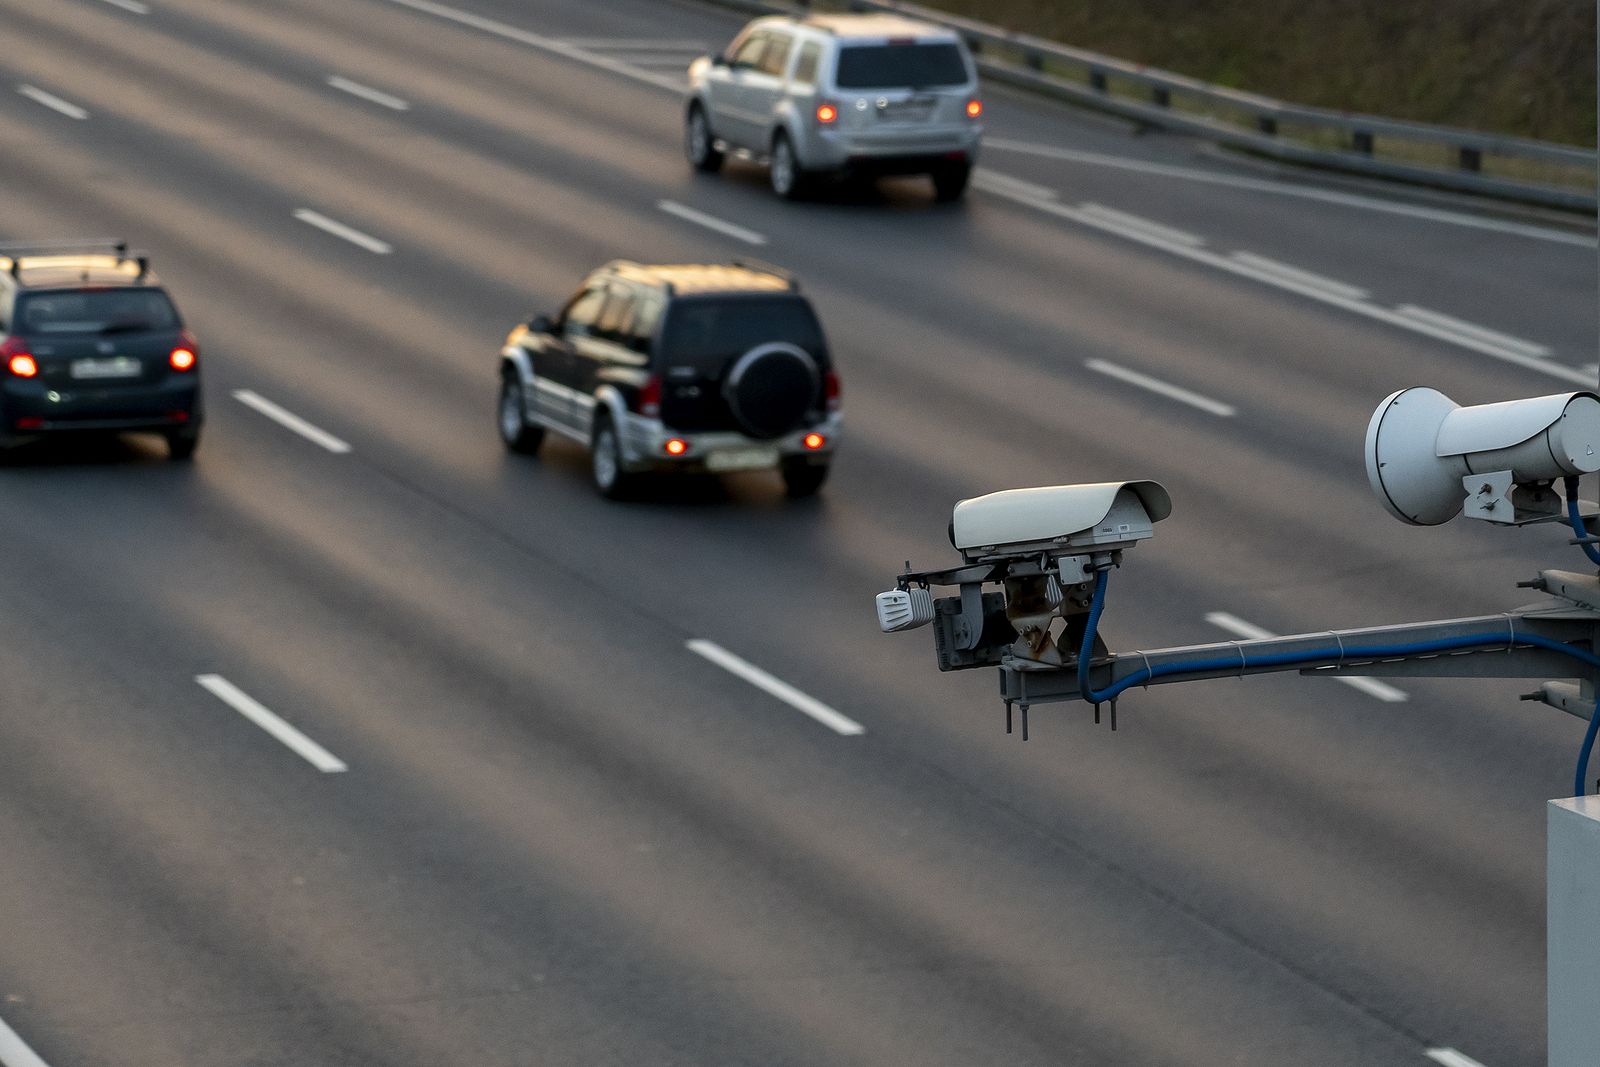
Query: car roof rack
(763,267)
(18,251)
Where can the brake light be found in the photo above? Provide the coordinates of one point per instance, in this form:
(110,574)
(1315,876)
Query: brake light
(827,113)
(675,446)
(974,108)
(18,359)
(650,397)
(186,354)
(813,441)
(830,390)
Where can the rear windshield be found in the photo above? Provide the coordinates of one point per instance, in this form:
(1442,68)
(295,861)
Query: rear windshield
(95,311)
(900,66)
(707,333)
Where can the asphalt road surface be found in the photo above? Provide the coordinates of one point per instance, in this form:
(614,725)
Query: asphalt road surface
(524,820)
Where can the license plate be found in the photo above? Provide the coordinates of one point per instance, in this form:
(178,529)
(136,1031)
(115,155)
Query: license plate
(118,367)
(742,459)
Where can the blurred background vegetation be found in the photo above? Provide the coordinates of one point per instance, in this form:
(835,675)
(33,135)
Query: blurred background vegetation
(1523,67)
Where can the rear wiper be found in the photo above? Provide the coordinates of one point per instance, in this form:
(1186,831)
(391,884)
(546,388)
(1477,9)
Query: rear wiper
(127,326)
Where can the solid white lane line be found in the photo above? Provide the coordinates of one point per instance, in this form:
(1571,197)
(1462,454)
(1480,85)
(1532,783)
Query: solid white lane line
(339,229)
(1473,330)
(1251,632)
(1142,225)
(366,92)
(711,222)
(1359,307)
(785,692)
(1326,196)
(1166,389)
(289,420)
(1304,277)
(1449,1057)
(299,743)
(984,178)
(53,102)
(544,44)
(130,5)
(14,1052)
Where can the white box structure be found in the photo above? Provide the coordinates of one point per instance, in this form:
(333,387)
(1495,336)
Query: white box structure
(1574,932)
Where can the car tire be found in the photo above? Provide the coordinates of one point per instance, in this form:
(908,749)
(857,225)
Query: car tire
(698,143)
(182,443)
(789,179)
(802,479)
(605,462)
(512,418)
(950,181)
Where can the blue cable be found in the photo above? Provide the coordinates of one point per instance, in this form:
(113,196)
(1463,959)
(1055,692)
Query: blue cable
(1416,648)
(1575,520)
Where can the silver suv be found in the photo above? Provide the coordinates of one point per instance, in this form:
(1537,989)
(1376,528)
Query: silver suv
(839,94)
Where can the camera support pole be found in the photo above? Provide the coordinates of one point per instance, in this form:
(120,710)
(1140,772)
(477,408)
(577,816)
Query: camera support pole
(1571,617)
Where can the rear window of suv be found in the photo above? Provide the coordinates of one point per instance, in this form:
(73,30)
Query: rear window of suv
(900,66)
(94,311)
(706,333)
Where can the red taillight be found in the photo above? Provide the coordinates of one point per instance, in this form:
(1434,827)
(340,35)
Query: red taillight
(827,113)
(650,397)
(30,422)
(830,390)
(675,446)
(18,360)
(186,354)
(813,441)
(974,108)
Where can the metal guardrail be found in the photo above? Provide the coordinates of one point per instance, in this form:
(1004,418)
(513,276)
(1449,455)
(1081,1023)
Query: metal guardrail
(1513,168)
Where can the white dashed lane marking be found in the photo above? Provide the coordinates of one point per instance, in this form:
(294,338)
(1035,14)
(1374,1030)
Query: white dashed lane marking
(53,102)
(785,692)
(1166,389)
(340,230)
(366,92)
(293,739)
(711,222)
(290,421)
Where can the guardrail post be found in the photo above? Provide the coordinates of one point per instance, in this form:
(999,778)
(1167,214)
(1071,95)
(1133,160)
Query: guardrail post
(1162,96)
(1471,159)
(1097,79)
(1361,141)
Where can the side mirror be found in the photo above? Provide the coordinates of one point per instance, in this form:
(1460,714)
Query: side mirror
(540,324)
(719,60)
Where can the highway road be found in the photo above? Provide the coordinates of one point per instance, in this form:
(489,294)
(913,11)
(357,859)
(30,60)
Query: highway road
(523,817)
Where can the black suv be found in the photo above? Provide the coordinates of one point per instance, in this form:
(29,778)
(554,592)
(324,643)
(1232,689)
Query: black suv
(715,367)
(90,341)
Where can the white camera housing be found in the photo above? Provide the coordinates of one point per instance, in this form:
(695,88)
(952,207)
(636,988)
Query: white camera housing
(1101,517)
(1428,458)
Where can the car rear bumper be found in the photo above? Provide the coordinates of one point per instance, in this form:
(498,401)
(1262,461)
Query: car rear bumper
(29,408)
(906,151)
(644,447)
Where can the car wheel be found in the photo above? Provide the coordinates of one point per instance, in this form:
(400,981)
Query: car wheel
(789,179)
(515,431)
(182,443)
(950,181)
(698,143)
(803,479)
(605,462)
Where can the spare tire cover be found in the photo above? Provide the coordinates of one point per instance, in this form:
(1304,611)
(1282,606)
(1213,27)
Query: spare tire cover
(770,388)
